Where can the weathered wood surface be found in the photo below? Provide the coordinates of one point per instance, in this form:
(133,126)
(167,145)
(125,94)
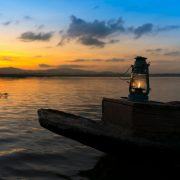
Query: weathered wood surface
(98,134)
(155,120)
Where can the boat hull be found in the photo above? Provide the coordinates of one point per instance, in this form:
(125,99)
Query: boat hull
(100,135)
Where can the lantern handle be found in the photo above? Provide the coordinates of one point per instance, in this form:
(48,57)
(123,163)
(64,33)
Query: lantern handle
(125,74)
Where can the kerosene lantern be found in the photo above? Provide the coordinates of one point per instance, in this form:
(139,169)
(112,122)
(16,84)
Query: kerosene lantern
(139,87)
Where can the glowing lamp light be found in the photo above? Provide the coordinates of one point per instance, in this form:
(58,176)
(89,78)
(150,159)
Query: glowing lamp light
(139,87)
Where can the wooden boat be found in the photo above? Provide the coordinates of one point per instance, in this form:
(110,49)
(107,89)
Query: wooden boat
(101,135)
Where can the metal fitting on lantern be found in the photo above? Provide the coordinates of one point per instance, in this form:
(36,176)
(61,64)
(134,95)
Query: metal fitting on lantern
(139,87)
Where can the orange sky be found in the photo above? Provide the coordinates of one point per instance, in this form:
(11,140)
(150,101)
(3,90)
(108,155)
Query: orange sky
(153,35)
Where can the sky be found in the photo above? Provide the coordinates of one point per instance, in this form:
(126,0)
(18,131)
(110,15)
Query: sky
(99,35)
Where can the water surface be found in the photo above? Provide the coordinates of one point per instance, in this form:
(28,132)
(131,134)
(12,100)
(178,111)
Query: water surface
(29,151)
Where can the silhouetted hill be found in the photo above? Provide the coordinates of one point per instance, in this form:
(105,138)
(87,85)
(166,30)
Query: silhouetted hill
(62,71)
(11,71)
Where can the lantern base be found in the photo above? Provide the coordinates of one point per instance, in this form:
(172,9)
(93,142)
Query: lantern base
(138,98)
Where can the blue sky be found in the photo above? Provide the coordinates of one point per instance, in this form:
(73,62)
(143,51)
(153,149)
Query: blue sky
(93,29)
(92,9)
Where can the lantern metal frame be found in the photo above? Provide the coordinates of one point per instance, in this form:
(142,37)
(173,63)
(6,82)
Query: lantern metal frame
(140,69)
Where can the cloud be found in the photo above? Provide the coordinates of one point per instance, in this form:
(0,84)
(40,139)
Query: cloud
(150,28)
(38,56)
(142,30)
(48,47)
(168,28)
(165,52)
(172,53)
(113,41)
(45,66)
(64,66)
(96,7)
(155,51)
(98,29)
(115,60)
(86,60)
(99,33)
(99,60)
(39,27)
(90,41)
(31,36)
(92,33)
(28,18)
(7,23)
(163,61)
(6,58)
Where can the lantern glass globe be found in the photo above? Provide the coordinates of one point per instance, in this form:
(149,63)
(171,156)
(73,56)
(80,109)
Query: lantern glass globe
(138,83)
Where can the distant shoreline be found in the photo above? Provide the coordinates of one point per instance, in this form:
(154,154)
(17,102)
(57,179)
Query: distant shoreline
(76,75)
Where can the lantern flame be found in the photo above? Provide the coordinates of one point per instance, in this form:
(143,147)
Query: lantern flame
(139,84)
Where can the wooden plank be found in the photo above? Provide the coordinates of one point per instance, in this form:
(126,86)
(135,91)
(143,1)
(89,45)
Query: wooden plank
(98,135)
(149,120)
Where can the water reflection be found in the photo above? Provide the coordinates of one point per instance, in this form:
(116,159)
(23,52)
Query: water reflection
(76,95)
(27,150)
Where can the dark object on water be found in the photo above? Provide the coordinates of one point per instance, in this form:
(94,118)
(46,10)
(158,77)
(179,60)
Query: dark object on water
(118,129)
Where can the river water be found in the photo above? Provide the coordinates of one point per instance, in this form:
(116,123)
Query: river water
(28,151)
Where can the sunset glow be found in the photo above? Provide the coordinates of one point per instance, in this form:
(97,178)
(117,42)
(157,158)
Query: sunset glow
(94,35)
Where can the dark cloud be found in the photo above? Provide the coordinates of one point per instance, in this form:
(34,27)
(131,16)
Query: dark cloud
(90,41)
(99,60)
(113,41)
(48,47)
(96,7)
(165,52)
(31,36)
(45,66)
(63,66)
(150,28)
(142,30)
(70,66)
(168,28)
(163,61)
(38,56)
(7,23)
(39,27)
(92,33)
(28,18)
(98,29)
(99,33)
(155,51)
(86,60)
(172,53)
(115,60)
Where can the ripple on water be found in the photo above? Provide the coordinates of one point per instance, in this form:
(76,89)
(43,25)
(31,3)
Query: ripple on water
(29,151)
(23,163)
